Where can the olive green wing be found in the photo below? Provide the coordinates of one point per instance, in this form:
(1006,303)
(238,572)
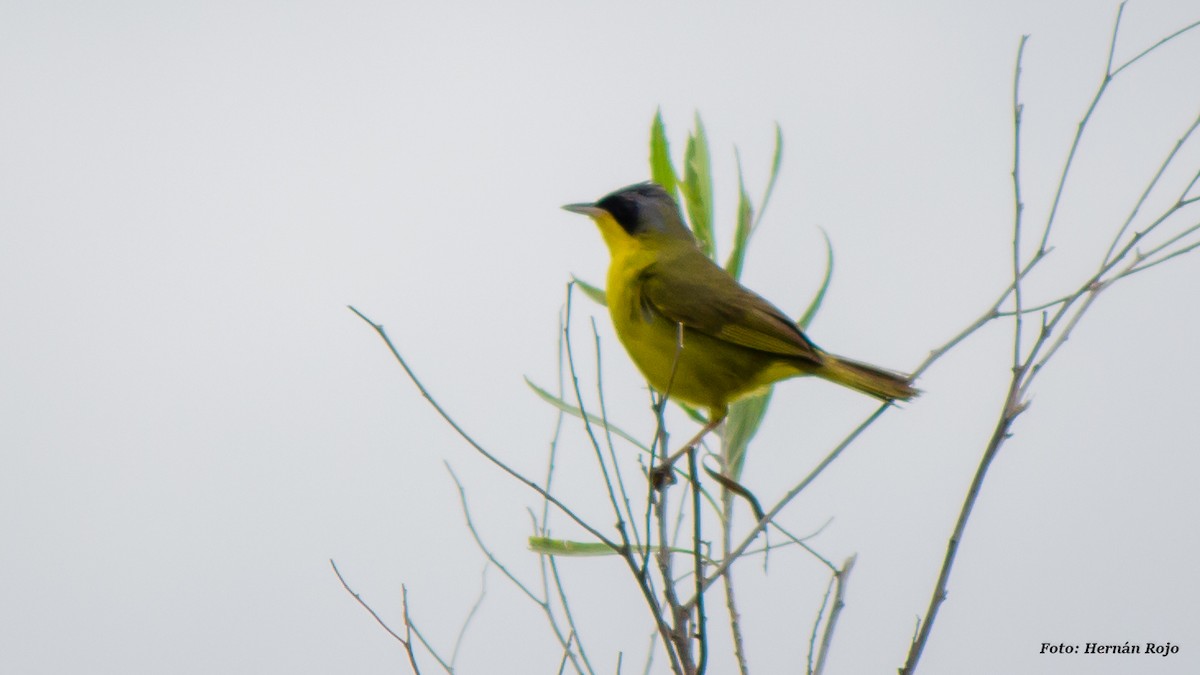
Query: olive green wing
(695,292)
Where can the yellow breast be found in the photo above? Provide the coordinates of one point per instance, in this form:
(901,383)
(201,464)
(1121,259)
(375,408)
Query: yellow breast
(690,366)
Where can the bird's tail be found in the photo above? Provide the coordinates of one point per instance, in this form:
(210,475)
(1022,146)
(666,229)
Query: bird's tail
(882,384)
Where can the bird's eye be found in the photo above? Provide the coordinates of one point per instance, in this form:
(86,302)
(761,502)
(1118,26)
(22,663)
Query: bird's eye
(623,210)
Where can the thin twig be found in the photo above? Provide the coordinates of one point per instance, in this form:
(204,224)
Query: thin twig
(1011,410)
(991,313)
(1108,261)
(612,453)
(1187,249)
(1018,205)
(429,648)
(1154,46)
(407,639)
(628,554)
(483,548)
(698,564)
(731,605)
(680,517)
(735,623)
(812,638)
(543,529)
(787,498)
(558,427)
(472,442)
(1154,250)
(1012,407)
(462,632)
(650,655)
(542,603)
(678,635)
(1062,181)
(566,606)
(842,578)
(658,405)
(1070,308)
(608,483)
(562,663)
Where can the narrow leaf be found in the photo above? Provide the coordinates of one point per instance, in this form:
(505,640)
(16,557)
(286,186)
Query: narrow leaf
(575,412)
(739,490)
(697,188)
(815,305)
(593,292)
(662,171)
(599,421)
(775,163)
(696,415)
(745,417)
(548,546)
(745,216)
(566,547)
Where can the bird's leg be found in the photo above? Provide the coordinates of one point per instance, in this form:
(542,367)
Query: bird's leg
(661,474)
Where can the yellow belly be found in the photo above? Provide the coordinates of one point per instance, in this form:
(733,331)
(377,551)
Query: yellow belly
(702,371)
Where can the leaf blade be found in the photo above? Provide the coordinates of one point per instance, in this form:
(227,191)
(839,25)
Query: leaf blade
(776,161)
(596,293)
(745,417)
(697,188)
(813,307)
(576,412)
(745,220)
(662,171)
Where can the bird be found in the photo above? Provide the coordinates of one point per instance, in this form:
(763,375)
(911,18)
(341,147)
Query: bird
(696,333)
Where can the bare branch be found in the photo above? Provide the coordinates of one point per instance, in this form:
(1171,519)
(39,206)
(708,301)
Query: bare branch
(608,483)
(407,639)
(471,441)
(698,564)
(816,629)
(1055,329)
(842,578)
(462,632)
(1152,47)
(1018,205)
(566,606)
(1011,410)
(1109,261)
(612,453)
(787,498)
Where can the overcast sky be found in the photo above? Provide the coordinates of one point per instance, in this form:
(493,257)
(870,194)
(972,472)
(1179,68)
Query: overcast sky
(194,423)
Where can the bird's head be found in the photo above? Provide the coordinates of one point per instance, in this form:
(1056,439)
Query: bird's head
(641,213)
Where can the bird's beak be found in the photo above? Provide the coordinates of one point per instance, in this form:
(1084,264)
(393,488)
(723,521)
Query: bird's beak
(590,210)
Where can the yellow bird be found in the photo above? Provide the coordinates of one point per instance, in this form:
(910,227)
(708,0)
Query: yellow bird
(697,334)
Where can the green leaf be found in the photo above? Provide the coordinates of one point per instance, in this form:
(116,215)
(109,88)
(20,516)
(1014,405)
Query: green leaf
(617,431)
(815,305)
(738,489)
(548,546)
(662,171)
(697,188)
(576,412)
(593,292)
(775,163)
(566,547)
(745,416)
(696,415)
(745,215)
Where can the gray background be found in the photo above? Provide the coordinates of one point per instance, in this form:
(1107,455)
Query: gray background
(193,423)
